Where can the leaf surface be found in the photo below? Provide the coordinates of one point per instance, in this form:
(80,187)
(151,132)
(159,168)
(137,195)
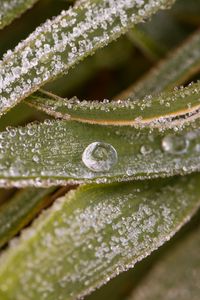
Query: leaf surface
(169,109)
(11,9)
(20,209)
(143,105)
(95,233)
(80,153)
(172,71)
(181,281)
(154,38)
(61,43)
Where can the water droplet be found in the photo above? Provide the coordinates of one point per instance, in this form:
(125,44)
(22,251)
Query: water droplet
(145,150)
(129,172)
(36,158)
(31,131)
(99,157)
(175,144)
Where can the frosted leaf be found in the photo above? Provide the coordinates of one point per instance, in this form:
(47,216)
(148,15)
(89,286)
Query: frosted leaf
(10,9)
(177,272)
(19,211)
(173,109)
(58,44)
(93,234)
(32,156)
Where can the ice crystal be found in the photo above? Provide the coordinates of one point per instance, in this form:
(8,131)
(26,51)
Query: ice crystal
(69,250)
(58,44)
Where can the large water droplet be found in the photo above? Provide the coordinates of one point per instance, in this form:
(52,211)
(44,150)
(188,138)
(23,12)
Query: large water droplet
(99,157)
(175,144)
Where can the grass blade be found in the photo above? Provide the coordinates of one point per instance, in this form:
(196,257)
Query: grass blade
(80,153)
(179,282)
(154,38)
(20,210)
(59,44)
(104,228)
(177,68)
(167,107)
(11,9)
(168,110)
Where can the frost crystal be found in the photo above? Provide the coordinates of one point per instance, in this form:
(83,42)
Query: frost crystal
(12,8)
(92,235)
(58,44)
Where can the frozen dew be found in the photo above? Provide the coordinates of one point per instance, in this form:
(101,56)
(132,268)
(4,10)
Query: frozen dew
(36,158)
(57,45)
(175,144)
(145,149)
(11,9)
(92,233)
(99,157)
(129,172)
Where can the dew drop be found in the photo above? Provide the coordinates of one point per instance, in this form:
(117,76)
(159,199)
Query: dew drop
(99,156)
(36,158)
(145,150)
(129,172)
(175,144)
(31,131)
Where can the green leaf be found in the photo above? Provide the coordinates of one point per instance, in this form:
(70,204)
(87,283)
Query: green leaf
(176,274)
(20,209)
(20,115)
(59,44)
(5,194)
(124,285)
(176,69)
(154,38)
(146,43)
(169,109)
(60,152)
(93,234)
(11,9)
(167,106)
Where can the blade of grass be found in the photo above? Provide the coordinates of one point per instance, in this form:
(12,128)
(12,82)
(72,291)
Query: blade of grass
(20,209)
(124,285)
(20,115)
(154,38)
(61,43)
(169,109)
(130,112)
(80,153)
(180,282)
(146,44)
(93,234)
(177,68)
(12,9)
(5,194)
